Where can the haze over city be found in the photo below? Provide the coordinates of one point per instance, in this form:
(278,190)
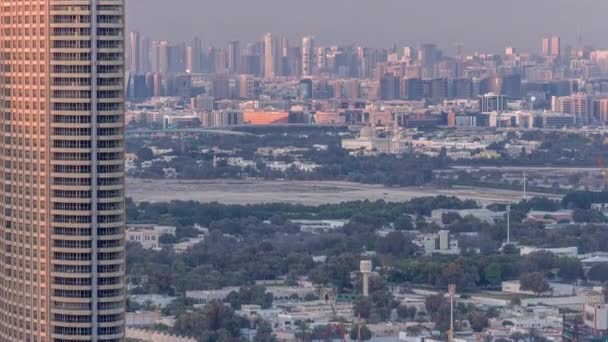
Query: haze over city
(303,171)
(478,24)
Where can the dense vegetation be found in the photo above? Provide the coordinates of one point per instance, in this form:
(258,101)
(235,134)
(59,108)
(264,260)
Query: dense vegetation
(194,158)
(257,242)
(253,242)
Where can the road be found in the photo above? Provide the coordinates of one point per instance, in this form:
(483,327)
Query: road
(298,192)
(531,168)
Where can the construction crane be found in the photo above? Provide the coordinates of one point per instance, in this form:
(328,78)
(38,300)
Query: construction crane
(601,163)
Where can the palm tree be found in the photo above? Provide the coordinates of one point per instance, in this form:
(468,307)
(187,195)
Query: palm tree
(303,330)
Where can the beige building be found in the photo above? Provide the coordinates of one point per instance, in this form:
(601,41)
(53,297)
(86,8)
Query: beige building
(62,212)
(148,235)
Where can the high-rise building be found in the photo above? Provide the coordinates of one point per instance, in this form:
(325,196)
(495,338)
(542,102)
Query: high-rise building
(163,57)
(308,45)
(246,87)
(389,87)
(155,56)
(546,46)
(134,52)
(305,89)
(270,48)
(492,103)
(234,55)
(409,54)
(281,56)
(62,171)
(556,47)
(551,46)
(144,55)
(193,56)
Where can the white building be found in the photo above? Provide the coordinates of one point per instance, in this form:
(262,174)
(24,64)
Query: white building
(557,289)
(148,235)
(440,243)
(483,215)
(571,252)
(183,247)
(319,226)
(596,317)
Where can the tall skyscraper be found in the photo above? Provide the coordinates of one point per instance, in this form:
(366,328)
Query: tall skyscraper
(193,56)
(308,45)
(134,52)
(234,55)
(155,56)
(555,46)
(546,46)
(144,54)
(163,57)
(189,58)
(62,171)
(270,51)
(552,46)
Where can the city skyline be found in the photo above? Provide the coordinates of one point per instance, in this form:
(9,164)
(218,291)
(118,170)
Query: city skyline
(474,23)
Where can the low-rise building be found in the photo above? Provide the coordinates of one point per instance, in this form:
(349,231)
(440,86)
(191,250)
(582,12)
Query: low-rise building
(319,226)
(557,289)
(550,216)
(183,247)
(440,243)
(482,214)
(571,252)
(148,235)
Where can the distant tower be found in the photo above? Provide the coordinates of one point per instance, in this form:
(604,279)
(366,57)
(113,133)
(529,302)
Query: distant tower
(308,45)
(365,268)
(546,46)
(270,47)
(234,55)
(135,53)
(556,46)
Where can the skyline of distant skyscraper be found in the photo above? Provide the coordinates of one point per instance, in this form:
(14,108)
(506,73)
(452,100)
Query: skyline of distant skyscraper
(144,54)
(135,52)
(551,46)
(555,46)
(234,55)
(308,45)
(270,47)
(163,57)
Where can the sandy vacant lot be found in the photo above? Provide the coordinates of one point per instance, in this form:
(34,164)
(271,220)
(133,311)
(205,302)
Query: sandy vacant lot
(311,193)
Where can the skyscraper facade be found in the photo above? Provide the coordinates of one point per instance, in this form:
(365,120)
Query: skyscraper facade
(308,45)
(144,55)
(546,46)
(193,56)
(234,55)
(61,170)
(270,51)
(134,52)
(556,46)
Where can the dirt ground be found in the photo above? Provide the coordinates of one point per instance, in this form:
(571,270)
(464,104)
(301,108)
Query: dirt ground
(309,193)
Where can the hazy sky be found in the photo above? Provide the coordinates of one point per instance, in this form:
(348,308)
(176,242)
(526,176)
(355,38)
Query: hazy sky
(483,24)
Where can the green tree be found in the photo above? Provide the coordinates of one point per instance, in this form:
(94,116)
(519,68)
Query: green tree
(598,272)
(263,332)
(479,321)
(570,269)
(144,154)
(404,222)
(534,282)
(493,274)
(303,331)
(362,333)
